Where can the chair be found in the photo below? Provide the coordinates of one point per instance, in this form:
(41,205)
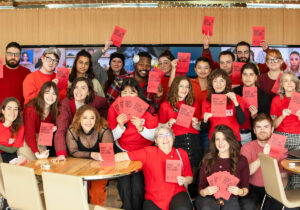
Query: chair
(21,187)
(66,192)
(273,183)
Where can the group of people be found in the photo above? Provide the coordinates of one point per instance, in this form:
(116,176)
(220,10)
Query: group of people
(83,115)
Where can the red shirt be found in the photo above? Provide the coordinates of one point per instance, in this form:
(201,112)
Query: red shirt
(32,123)
(290,124)
(199,95)
(164,83)
(131,139)
(154,168)
(11,85)
(266,84)
(166,112)
(6,138)
(230,119)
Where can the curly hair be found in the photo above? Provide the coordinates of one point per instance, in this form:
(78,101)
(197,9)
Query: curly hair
(100,122)
(89,98)
(211,157)
(18,122)
(213,75)
(172,96)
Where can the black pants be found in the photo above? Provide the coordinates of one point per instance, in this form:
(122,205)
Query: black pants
(131,189)
(180,201)
(255,199)
(210,203)
(6,157)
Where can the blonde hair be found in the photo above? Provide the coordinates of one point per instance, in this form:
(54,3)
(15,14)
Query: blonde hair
(295,79)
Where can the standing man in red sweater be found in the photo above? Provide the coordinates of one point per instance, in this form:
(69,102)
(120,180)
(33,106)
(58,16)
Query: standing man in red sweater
(13,74)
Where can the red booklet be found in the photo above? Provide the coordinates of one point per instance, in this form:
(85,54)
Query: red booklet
(139,107)
(250,96)
(185,115)
(183,62)
(46,134)
(107,154)
(208,25)
(118,35)
(236,73)
(277,143)
(218,105)
(173,170)
(154,81)
(258,35)
(62,75)
(294,105)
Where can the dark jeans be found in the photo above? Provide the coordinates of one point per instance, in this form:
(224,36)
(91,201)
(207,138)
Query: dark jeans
(179,201)
(131,189)
(204,141)
(210,203)
(6,157)
(255,199)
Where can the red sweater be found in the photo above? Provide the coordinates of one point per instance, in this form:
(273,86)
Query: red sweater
(11,85)
(32,123)
(6,139)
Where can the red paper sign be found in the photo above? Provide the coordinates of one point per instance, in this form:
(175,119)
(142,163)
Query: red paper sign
(139,107)
(62,75)
(153,82)
(116,106)
(208,25)
(218,105)
(46,134)
(250,96)
(173,170)
(258,35)
(185,115)
(236,73)
(276,85)
(183,62)
(107,154)
(118,35)
(277,143)
(294,105)
(155,69)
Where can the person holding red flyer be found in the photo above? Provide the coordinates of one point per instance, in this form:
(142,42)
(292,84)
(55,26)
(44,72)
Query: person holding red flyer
(285,122)
(223,156)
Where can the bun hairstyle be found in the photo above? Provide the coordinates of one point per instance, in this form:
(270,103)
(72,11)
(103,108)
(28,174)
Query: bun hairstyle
(167,53)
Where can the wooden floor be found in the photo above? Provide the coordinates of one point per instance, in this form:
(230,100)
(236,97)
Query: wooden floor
(113,198)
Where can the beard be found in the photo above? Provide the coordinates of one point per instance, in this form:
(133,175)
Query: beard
(12,65)
(142,76)
(266,138)
(244,58)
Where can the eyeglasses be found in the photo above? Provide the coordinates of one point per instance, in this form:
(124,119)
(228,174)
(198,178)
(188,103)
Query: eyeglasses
(164,63)
(272,60)
(161,136)
(13,54)
(241,52)
(50,60)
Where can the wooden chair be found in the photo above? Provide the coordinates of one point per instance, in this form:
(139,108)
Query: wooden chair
(21,187)
(273,183)
(66,192)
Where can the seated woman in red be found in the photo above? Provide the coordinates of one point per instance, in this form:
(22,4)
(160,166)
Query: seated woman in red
(43,108)
(161,194)
(129,136)
(219,83)
(11,128)
(223,155)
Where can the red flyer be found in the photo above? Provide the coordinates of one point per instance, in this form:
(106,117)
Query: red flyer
(46,134)
(62,75)
(277,140)
(258,35)
(218,105)
(276,85)
(294,105)
(139,107)
(236,73)
(183,62)
(107,154)
(208,25)
(117,106)
(154,81)
(250,96)
(173,170)
(118,35)
(128,104)
(185,115)
(155,69)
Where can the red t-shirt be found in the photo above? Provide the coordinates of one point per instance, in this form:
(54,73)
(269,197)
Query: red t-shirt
(131,139)
(164,83)
(250,150)
(199,95)
(166,112)
(11,85)
(6,138)
(230,119)
(154,168)
(290,124)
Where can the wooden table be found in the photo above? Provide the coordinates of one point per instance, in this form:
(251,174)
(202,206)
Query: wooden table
(285,165)
(88,169)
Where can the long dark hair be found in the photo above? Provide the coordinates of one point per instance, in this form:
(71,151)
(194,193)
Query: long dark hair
(214,74)
(39,102)
(90,98)
(134,85)
(90,72)
(18,122)
(211,157)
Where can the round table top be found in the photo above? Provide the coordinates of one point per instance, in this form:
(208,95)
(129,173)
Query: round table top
(88,169)
(285,164)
